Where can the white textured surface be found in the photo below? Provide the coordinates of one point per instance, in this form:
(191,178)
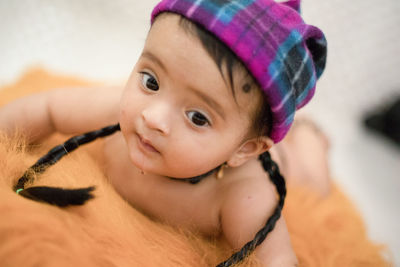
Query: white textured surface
(101,39)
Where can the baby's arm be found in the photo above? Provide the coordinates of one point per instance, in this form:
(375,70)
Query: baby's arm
(244,213)
(67,111)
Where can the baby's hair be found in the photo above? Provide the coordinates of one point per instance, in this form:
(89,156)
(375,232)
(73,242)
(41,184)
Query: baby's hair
(225,58)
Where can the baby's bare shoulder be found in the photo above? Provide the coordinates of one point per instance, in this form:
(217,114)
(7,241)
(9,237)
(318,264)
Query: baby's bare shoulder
(248,203)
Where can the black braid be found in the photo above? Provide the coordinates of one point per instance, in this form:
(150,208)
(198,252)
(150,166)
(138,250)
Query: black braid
(59,196)
(274,174)
(65,197)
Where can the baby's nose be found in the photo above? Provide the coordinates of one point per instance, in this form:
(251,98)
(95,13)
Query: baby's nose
(156,117)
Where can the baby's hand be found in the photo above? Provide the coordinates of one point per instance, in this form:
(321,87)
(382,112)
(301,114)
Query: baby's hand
(28,116)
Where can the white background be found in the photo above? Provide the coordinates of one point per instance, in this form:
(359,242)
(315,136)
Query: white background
(101,40)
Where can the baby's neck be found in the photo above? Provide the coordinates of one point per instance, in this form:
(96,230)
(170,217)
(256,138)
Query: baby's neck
(199,178)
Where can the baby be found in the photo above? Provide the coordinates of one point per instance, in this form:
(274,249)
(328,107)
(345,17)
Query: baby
(217,84)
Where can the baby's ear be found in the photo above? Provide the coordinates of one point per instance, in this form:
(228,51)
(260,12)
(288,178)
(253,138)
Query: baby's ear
(249,150)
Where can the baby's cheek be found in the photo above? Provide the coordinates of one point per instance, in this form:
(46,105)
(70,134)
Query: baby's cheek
(193,159)
(122,118)
(127,112)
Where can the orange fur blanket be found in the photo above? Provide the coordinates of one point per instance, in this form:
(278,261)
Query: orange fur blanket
(108,232)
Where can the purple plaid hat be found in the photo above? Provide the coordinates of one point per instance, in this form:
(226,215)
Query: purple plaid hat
(285,55)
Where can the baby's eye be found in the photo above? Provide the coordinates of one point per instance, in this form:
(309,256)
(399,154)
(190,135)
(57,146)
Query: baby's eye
(149,81)
(197,118)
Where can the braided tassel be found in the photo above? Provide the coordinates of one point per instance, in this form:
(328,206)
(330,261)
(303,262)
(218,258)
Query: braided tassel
(59,196)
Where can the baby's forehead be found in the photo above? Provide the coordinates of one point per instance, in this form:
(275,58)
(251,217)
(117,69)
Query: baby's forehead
(217,73)
(244,89)
(245,96)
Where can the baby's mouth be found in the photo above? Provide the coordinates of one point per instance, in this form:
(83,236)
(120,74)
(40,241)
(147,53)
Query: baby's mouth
(145,144)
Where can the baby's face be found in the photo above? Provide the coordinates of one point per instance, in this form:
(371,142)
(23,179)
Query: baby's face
(178,115)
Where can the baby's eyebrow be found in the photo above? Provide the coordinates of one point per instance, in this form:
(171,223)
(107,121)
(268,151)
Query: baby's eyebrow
(152,57)
(210,101)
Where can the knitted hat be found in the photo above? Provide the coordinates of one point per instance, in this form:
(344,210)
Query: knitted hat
(285,55)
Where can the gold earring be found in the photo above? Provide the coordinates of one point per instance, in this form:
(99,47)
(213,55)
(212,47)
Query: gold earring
(220,173)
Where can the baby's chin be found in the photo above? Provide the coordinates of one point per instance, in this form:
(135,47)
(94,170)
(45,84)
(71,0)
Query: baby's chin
(168,169)
(176,173)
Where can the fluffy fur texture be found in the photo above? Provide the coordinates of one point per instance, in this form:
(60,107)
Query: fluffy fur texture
(108,232)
